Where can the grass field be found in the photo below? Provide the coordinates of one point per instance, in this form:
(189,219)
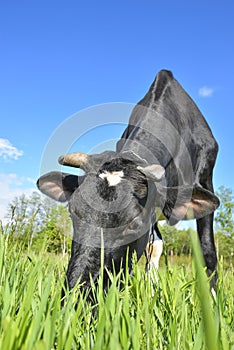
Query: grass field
(173,310)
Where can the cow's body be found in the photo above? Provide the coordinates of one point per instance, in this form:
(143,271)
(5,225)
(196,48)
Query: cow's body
(163,163)
(187,147)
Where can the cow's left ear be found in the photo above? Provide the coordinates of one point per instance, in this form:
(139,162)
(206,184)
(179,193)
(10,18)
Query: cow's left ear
(154,172)
(200,203)
(58,186)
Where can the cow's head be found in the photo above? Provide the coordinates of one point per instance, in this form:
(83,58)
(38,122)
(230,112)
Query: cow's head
(113,201)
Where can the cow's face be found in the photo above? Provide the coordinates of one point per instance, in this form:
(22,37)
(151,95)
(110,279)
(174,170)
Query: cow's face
(112,201)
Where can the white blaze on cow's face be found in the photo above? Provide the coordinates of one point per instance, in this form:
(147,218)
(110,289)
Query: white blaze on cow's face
(113,178)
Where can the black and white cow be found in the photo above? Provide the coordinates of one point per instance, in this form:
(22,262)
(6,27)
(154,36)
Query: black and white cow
(162,168)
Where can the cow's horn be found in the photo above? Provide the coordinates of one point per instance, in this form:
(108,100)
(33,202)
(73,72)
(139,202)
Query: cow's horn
(76,160)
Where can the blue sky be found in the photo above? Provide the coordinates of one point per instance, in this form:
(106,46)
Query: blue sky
(58,58)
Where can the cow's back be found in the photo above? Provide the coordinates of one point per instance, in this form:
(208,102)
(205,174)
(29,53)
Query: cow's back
(167,127)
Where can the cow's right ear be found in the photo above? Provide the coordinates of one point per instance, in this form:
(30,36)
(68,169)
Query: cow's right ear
(58,186)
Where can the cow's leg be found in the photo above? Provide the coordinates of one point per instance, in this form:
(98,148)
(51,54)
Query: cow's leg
(206,236)
(203,177)
(154,250)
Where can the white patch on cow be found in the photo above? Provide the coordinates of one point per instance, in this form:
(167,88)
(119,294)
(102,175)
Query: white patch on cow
(155,254)
(113,177)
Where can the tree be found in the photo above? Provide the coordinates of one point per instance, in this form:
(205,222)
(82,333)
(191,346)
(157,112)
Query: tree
(176,241)
(38,222)
(23,214)
(224,214)
(224,219)
(56,231)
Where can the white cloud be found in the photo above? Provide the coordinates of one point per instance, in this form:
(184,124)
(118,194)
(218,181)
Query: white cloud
(11,186)
(206,91)
(8,151)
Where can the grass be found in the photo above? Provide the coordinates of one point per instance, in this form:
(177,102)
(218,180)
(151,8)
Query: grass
(171,310)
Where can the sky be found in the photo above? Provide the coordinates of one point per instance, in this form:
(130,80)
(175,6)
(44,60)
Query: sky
(66,66)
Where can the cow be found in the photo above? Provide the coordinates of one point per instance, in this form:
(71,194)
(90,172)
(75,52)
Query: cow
(161,169)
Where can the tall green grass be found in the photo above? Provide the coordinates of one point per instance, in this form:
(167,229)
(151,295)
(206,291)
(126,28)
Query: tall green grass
(172,309)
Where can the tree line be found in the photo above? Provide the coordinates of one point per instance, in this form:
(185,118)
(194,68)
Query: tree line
(38,223)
